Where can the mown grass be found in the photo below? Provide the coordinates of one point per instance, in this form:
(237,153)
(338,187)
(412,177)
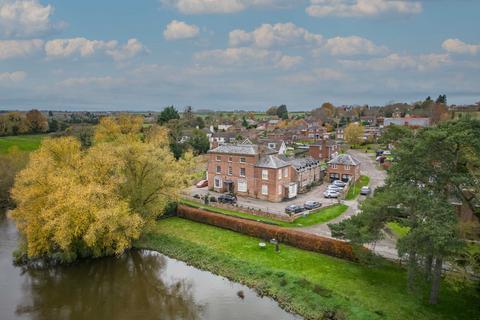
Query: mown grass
(320,215)
(354,191)
(397,229)
(311,284)
(23,143)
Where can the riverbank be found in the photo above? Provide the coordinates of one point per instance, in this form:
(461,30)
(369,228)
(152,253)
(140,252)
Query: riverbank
(310,284)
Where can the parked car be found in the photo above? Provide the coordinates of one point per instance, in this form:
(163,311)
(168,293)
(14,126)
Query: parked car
(339,183)
(335,188)
(365,191)
(227,198)
(196,196)
(202,184)
(331,194)
(309,205)
(294,209)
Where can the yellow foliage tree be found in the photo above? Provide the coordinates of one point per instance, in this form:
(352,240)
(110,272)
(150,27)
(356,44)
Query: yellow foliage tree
(354,133)
(73,203)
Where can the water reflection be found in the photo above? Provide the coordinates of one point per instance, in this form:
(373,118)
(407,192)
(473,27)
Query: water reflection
(129,287)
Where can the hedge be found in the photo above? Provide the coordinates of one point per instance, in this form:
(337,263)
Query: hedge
(299,239)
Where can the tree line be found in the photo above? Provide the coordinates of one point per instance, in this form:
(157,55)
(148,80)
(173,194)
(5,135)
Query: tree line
(14,123)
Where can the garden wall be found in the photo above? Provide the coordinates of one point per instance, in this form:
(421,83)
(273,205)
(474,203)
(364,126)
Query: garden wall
(299,239)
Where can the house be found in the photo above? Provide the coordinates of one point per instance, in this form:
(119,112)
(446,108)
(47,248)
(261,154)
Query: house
(250,170)
(343,167)
(340,134)
(306,171)
(323,150)
(407,121)
(277,145)
(219,138)
(371,133)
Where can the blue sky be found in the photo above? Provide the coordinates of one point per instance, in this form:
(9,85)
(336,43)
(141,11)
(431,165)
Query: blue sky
(236,54)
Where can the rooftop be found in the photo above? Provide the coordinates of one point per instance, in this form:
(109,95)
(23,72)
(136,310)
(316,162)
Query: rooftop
(344,159)
(248,149)
(271,161)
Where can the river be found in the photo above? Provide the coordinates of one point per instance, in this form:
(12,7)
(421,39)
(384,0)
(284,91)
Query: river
(137,285)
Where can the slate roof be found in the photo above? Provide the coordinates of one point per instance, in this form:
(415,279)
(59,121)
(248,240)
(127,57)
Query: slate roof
(301,163)
(271,161)
(248,149)
(344,159)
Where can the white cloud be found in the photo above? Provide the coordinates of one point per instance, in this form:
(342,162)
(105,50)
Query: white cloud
(180,30)
(12,77)
(397,61)
(352,45)
(132,48)
(62,48)
(24,17)
(362,8)
(316,75)
(268,35)
(19,48)
(106,81)
(247,56)
(458,46)
(220,6)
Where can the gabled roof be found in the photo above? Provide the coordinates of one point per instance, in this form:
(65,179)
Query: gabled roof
(271,161)
(247,149)
(301,163)
(344,159)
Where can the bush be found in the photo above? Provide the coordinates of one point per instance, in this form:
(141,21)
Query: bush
(292,237)
(213,199)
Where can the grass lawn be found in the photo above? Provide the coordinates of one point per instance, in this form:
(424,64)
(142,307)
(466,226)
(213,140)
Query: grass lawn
(321,215)
(354,191)
(311,284)
(397,229)
(24,143)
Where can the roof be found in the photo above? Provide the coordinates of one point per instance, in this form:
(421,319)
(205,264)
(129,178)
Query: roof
(322,142)
(248,149)
(271,161)
(344,159)
(302,163)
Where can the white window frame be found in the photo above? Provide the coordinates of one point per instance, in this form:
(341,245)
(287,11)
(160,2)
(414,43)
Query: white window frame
(218,171)
(285,172)
(347,167)
(264,174)
(219,180)
(242,186)
(218,158)
(279,173)
(279,189)
(243,160)
(265,189)
(230,159)
(230,170)
(240,172)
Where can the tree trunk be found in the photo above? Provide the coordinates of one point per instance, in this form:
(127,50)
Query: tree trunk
(428,267)
(412,267)
(437,273)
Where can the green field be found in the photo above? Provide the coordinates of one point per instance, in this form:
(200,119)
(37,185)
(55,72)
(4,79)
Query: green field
(23,143)
(354,191)
(321,215)
(311,284)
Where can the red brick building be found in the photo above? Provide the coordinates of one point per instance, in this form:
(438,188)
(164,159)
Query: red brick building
(250,170)
(323,150)
(343,167)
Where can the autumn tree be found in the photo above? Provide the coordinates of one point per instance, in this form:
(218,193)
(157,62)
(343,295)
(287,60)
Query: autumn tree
(36,121)
(74,203)
(11,162)
(354,134)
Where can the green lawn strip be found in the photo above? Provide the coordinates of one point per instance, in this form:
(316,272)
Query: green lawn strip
(23,143)
(397,229)
(308,283)
(354,191)
(321,215)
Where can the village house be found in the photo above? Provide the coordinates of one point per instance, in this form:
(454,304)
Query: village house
(250,170)
(407,121)
(306,172)
(343,167)
(277,145)
(323,150)
(219,138)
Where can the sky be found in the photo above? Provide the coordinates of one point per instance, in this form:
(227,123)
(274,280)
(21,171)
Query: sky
(236,54)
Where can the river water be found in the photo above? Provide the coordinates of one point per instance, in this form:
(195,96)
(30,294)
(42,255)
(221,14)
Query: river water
(137,285)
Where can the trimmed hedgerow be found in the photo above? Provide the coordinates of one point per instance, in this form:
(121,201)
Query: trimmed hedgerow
(299,239)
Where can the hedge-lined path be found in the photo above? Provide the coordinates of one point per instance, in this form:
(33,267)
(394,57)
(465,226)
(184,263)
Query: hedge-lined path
(385,247)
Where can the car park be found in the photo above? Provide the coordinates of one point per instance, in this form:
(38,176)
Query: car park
(309,205)
(331,194)
(227,198)
(365,191)
(335,188)
(294,209)
(202,184)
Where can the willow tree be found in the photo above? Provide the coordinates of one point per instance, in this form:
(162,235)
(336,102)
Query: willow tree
(74,203)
